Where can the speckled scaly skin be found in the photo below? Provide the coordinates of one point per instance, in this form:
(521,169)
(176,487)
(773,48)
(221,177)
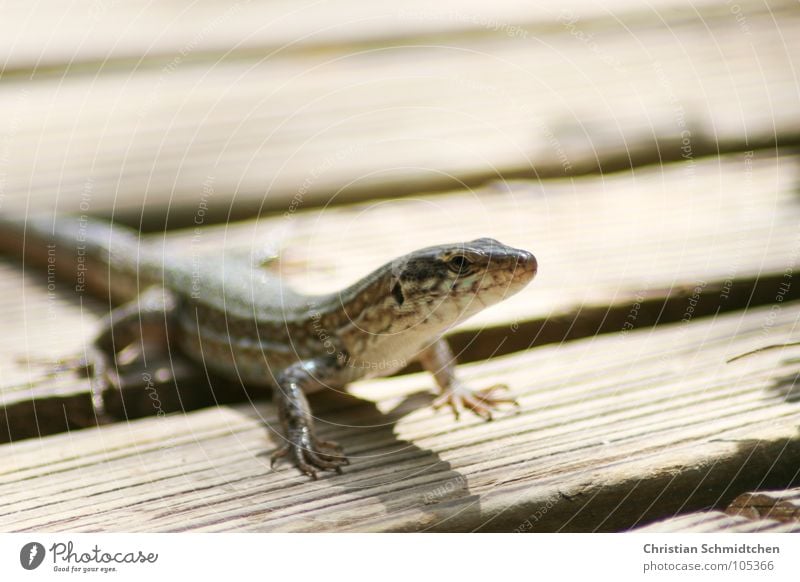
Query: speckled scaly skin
(238,319)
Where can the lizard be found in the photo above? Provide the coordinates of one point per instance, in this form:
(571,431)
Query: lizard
(231,314)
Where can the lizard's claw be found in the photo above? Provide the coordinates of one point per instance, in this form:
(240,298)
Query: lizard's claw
(310,454)
(481,402)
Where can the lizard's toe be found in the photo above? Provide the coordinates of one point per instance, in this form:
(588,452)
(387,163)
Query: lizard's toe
(334,452)
(331,446)
(299,457)
(310,455)
(279,454)
(481,402)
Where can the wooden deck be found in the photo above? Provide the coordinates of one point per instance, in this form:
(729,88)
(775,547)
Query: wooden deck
(344,142)
(601,443)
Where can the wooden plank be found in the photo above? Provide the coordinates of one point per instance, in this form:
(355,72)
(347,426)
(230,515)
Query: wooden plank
(254,133)
(718,522)
(614,431)
(130,33)
(775,505)
(615,253)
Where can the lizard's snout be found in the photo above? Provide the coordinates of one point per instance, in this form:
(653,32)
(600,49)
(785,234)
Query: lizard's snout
(527,263)
(524,269)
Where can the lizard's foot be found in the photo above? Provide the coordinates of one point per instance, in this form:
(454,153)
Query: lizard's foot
(94,365)
(481,402)
(309,454)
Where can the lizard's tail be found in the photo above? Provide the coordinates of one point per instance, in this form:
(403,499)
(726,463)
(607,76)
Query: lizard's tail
(97,257)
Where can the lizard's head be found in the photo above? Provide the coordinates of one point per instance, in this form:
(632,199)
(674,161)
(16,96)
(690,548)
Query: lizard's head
(445,284)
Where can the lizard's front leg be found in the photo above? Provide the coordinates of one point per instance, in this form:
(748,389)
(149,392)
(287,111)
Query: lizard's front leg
(306,451)
(438,359)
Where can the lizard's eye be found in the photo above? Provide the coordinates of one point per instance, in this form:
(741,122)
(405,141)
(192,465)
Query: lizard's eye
(459,265)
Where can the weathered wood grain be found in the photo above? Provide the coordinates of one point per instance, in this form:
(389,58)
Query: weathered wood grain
(718,522)
(256,132)
(775,505)
(614,431)
(615,253)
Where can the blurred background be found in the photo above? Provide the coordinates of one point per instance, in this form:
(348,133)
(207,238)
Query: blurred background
(644,151)
(147,110)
